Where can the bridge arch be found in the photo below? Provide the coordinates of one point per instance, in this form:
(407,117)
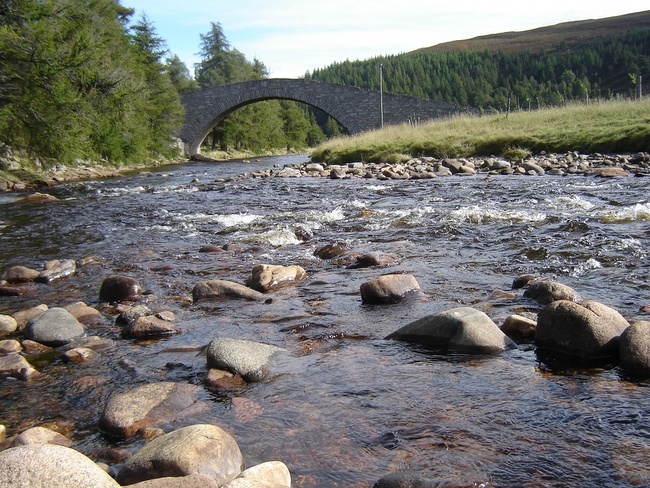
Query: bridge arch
(356,109)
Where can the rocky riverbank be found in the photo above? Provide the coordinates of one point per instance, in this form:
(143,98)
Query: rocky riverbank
(19,171)
(570,163)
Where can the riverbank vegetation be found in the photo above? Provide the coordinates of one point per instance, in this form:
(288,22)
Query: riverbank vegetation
(603,126)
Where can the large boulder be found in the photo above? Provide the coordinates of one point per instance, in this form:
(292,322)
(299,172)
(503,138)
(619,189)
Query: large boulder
(266,277)
(251,360)
(387,289)
(587,331)
(148,405)
(52,466)
(635,349)
(462,329)
(216,289)
(196,449)
(54,327)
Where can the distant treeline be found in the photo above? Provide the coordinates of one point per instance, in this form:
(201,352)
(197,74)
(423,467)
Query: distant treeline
(604,68)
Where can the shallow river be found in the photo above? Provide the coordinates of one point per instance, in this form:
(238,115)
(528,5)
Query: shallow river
(357,406)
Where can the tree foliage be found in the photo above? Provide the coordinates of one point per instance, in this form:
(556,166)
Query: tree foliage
(258,127)
(491,80)
(77,82)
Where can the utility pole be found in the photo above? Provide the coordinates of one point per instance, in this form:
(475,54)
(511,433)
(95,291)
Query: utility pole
(381,94)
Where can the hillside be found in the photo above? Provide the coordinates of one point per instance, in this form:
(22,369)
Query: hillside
(567,34)
(549,66)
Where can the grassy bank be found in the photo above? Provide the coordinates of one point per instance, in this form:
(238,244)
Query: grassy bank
(604,126)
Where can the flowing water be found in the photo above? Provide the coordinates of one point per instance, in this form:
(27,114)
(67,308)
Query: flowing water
(354,406)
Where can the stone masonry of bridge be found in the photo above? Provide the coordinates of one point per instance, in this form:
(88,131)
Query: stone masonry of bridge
(356,109)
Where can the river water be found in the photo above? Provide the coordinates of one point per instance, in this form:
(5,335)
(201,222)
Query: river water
(355,407)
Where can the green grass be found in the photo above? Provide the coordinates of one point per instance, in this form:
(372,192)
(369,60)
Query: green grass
(603,126)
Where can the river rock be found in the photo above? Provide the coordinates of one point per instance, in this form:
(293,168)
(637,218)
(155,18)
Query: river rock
(545,292)
(39,197)
(149,326)
(250,360)
(371,259)
(117,288)
(407,479)
(266,277)
(8,346)
(215,289)
(191,481)
(330,251)
(387,289)
(8,324)
(131,314)
(518,327)
(56,269)
(196,449)
(579,331)
(54,327)
(23,316)
(50,465)
(20,274)
(78,355)
(152,404)
(17,290)
(41,435)
(85,314)
(272,474)
(635,349)
(462,329)
(224,380)
(16,366)
(94,343)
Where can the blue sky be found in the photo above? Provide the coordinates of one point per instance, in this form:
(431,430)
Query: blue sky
(294,36)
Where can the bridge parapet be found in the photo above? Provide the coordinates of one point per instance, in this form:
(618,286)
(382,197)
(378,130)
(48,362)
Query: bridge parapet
(356,109)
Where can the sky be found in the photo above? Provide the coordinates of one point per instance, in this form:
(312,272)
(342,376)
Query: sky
(292,37)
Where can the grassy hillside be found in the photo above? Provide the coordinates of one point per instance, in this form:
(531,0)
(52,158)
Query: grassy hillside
(550,66)
(606,127)
(569,35)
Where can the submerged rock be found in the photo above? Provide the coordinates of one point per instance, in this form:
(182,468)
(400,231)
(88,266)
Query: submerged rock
(152,404)
(462,329)
(250,360)
(215,289)
(197,449)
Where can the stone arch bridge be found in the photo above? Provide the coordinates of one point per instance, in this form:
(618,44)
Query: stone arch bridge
(356,109)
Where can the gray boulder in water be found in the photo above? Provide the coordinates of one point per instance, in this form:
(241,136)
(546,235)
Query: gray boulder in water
(585,331)
(462,329)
